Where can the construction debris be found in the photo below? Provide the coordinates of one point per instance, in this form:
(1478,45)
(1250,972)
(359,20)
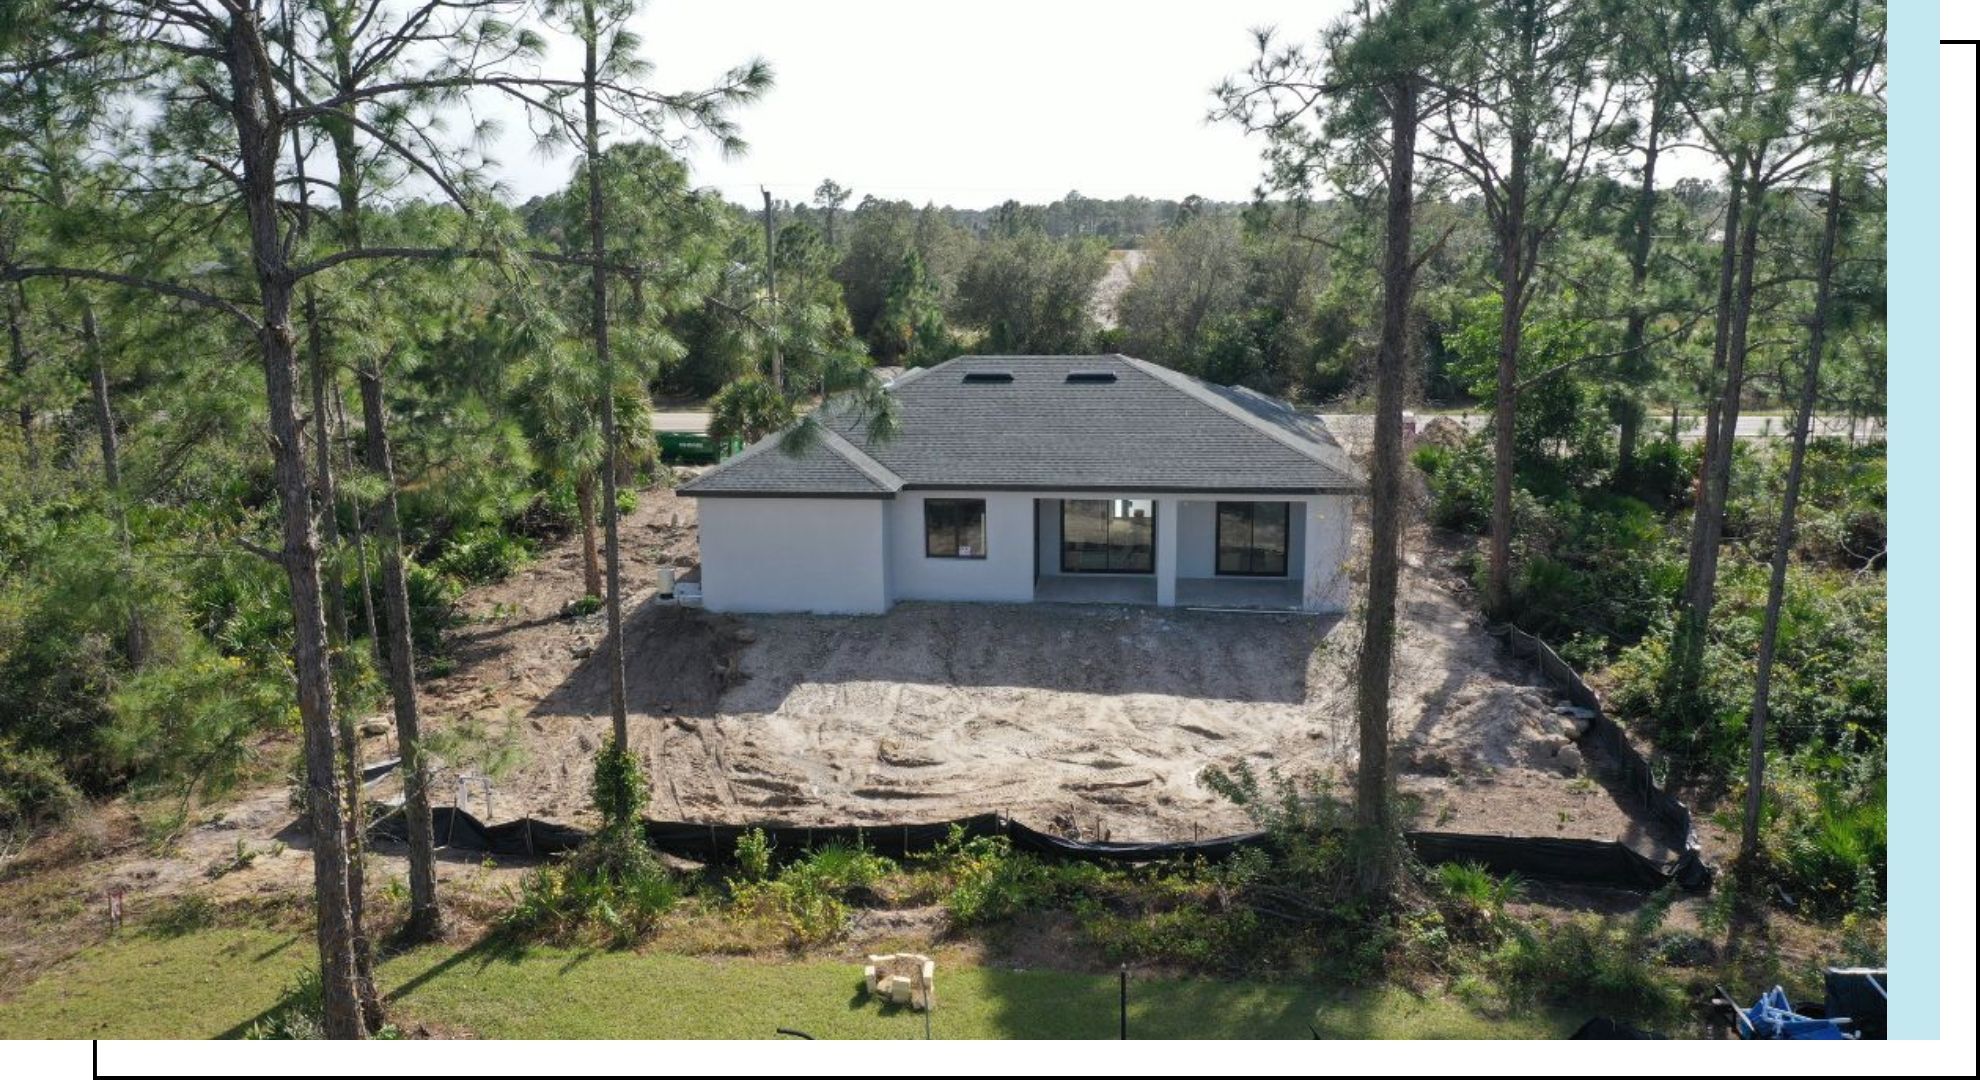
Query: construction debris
(902,979)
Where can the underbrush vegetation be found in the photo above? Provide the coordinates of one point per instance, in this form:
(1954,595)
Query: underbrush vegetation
(1285,909)
(1599,561)
(614,889)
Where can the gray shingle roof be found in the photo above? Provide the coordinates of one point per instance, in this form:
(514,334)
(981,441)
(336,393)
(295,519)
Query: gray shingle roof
(829,467)
(1150,429)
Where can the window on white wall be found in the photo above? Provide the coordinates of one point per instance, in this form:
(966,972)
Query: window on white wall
(954,528)
(1107,536)
(1252,538)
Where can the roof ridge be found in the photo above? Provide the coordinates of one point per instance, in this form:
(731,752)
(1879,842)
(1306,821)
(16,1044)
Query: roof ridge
(910,375)
(747,453)
(860,459)
(829,440)
(1198,390)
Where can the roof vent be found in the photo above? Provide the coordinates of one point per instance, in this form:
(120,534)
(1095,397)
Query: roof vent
(986,376)
(1090,377)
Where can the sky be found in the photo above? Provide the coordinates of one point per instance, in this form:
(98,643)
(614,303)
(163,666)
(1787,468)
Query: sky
(961,104)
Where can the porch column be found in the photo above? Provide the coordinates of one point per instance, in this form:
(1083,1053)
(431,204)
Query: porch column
(1168,518)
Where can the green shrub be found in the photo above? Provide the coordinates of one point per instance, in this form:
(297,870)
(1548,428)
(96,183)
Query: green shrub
(753,855)
(618,787)
(1460,485)
(191,726)
(1196,935)
(182,915)
(482,555)
(799,900)
(806,899)
(299,1013)
(1829,682)
(1599,964)
(1661,475)
(1430,459)
(606,893)
(33,789)
(557,508)
(1826,840)
(842,867)
(1473,885)
(431,595)
(1312,839)
(991,881)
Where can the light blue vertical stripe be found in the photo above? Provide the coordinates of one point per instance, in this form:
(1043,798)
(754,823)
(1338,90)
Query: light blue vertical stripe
(1914,513)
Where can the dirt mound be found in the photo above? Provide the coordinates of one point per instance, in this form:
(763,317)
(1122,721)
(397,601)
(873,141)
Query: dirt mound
(1443,433)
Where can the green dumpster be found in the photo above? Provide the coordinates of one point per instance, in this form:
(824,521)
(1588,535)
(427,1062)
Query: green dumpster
(694,448)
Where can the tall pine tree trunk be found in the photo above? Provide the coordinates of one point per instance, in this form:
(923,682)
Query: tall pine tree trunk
(1512,294)
(137,646)
(254,113)
(99,386)
(1372,806)
(356,816)
(1634,369)
(424,918)
(1770,625)
(614,614)
(363,559)
(1708,522)
(423,922)
(587,497)
(326,477)
(1703,587)
(1517,251)
(18,366)
(1684,669)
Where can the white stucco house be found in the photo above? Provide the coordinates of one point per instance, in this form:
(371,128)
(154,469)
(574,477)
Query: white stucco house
(1098,479)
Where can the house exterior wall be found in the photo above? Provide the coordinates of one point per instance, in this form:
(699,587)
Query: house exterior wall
(1329,551)
(863,555)
(827,556)
(1004,574)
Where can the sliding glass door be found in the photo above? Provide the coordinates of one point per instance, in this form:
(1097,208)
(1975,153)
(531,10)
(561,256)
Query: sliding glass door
(1107,536)
(1252,538)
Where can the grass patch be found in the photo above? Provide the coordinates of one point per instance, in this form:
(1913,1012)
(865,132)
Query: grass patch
(219,982)
(194,985)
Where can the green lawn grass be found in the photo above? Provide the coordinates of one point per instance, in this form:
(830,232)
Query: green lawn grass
(213,983)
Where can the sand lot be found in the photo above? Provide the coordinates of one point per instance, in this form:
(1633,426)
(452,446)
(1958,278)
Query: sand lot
(1091,721)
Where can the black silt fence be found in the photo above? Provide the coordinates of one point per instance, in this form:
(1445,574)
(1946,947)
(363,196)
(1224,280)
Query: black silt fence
(1631,769)
(1588,862)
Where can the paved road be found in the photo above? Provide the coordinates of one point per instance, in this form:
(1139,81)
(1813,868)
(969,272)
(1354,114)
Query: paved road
(1360,427)
(695,420)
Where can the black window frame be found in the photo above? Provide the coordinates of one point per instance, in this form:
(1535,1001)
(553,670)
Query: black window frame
(1154,532)
(1251,523)
(928,528)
